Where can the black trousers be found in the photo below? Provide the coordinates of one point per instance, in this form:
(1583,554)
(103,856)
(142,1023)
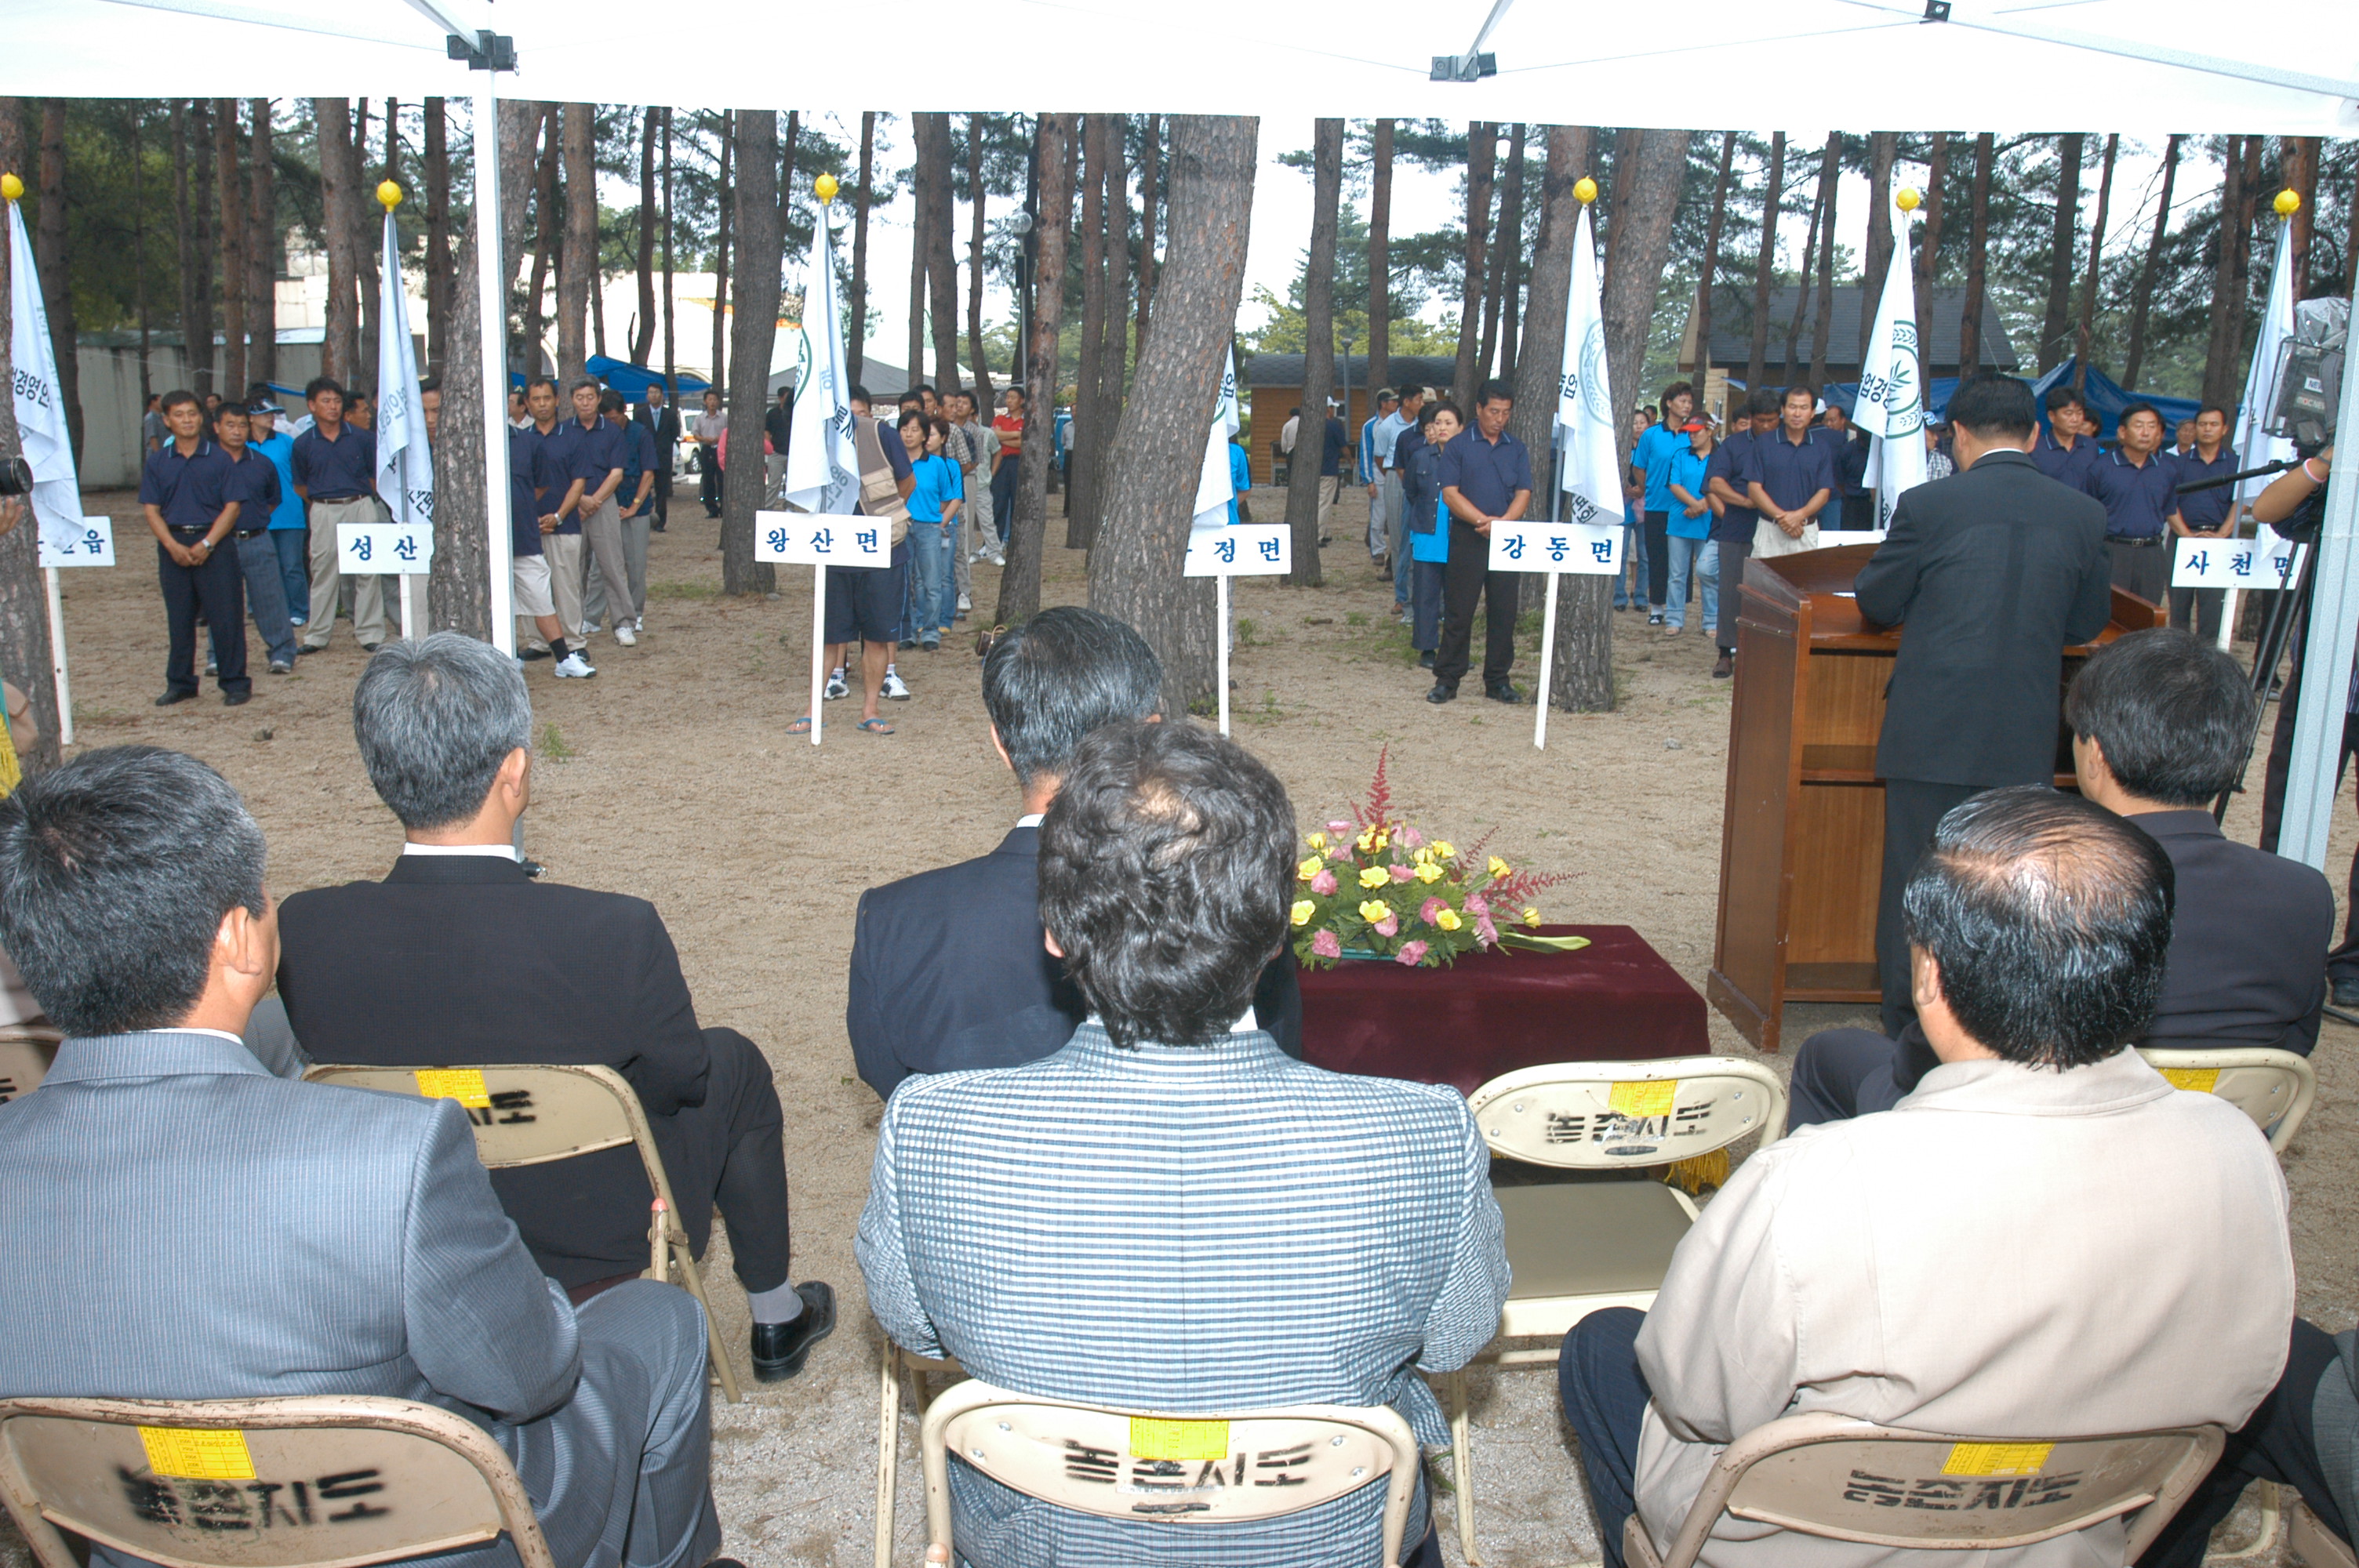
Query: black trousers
(218,588)
(1003,497)
(1842,1073)
(660,500)
(2198,609)
(1659,559)
(1733,553)
(2144,569)
(2279,1443)
(1604,1396)
(708,484)
(1468,581)
(1911,810)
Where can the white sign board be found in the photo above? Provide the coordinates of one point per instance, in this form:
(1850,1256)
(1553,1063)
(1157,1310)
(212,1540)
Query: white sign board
(1532,545)
(822,539)
(93,546)
(2260,564)
(366,548)
(1249,549)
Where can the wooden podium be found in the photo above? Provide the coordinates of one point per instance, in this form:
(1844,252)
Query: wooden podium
(1801,849)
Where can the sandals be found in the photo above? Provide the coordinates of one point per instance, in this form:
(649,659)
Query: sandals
(874,727)
(800,727)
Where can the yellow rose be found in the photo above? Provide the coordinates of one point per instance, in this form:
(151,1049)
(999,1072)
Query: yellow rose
(1309,868)
(1428,872)
(1317,841)
(1532,918)
(1367,839)
(1447,920)
(1375,910)
(1500,870)
(1302,912)
(1424,855)
(1375,877)
(1442,848)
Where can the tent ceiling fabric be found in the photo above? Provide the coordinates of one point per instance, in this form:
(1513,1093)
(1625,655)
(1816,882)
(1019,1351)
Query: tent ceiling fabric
(1873,61)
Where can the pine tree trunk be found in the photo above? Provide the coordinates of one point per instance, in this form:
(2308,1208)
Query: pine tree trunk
(547,234)
(1303,479)
(1150,177)
(139,231)
(1824,323)
(1505,243)
(518,128)
(2247,210)
(753,329)
(1803,281)
(2096,259)
(2134,360)
(1640,242)
(2227,298)
(458,586)
(1114,366)
(1970,317)
(1511,227)
(921,248)
(435,156)
(24,654)
(1711,271)
(1883,146)
(203,378)
(365,239)
(340,215)
(643,339)
(2063,251)
(1027,535)
(1380,281)
(577,260)
(856,349)
(720,258)
(1765,266)
(1134,571)
(1928,251)
(978,363)
(234,199)
(942,259)
(671,348)
(184,239)
(1482,152)
(264,257)
(1081,440)
(52,252)
(2301,179)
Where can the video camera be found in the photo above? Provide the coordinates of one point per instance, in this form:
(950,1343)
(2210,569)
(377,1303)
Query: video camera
(2310,375)
(16,477)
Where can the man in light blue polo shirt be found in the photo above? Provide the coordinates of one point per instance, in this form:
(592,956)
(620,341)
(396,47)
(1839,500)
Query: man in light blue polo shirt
(1371,473)
(1652,457)
(288,536)
(1388,488)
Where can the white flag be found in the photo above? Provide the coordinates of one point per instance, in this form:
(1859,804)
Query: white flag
(2253,448)
(405,460)
(1585,426)
(40,412)
(822,464)
(1214,489)
(1891,403)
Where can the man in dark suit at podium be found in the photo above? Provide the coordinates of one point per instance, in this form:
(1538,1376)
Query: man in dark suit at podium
(949,969)
(1992,573)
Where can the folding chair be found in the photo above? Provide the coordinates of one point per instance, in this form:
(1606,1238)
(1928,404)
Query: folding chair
(26,1051)
(1133,1464)
(1827,1475)
(2316,1545)
(895,1363)
(533,1113)
(1578,1248)
(323,1481)
(2274,1087)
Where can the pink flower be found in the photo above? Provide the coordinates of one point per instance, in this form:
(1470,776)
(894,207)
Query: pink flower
(1323,885)
(1477,905)
(1388,926)
(1325,945)
(1410,838)
(1403,873)
(1430,908)
(1339,827)
(1486,933)
(1412,954)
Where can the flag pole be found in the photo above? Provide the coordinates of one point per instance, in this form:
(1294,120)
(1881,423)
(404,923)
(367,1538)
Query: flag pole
(818,642)
(492,315)
(58,658)
(1547,619)
(1223,678)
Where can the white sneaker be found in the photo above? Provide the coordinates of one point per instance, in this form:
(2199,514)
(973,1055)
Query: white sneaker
(574,666)
(625,635)
(837,687)
(996,558)
(965,604)
(894,687)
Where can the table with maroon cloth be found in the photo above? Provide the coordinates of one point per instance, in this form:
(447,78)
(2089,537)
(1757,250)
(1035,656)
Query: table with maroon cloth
(1492,1012)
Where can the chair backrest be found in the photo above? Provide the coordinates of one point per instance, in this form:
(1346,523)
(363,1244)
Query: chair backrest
(2274,1087)
(25,1052)
(327,1481)
(1828,1474)
(528,1113)
(1131,1464)
(1604,1116)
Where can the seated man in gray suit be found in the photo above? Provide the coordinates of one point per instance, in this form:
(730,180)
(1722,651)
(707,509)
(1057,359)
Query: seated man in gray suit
(237,1235)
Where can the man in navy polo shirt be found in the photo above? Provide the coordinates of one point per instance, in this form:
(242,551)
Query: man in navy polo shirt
(253,484)
(1789,477)
(598,463)
(1854,507)
(1486,476)
(1733,530)
(528,563)
(2138,486)
(2207,514)
(334,463)
(553,457)
(2068,447)
(184,493)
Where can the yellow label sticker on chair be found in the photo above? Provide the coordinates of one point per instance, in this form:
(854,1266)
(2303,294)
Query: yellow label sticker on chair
(1997,1458)
(197,1453)
(2195,1080)
(1648,1096)
(464,1085)
(1152,1439)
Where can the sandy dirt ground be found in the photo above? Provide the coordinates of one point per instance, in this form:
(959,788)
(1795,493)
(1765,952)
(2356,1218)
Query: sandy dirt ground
(671,776)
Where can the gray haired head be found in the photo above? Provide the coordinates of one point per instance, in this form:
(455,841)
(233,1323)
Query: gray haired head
(435,719)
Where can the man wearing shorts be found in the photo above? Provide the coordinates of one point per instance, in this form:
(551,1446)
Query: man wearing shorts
(529,574)
(864,603)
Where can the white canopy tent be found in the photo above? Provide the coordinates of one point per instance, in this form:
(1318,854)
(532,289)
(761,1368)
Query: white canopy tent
(1892,65)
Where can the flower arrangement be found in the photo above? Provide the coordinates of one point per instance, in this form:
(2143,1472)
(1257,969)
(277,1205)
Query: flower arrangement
(1376,887)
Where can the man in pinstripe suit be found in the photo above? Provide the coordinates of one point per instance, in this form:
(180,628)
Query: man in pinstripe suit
(1168,1214)
(229,1234)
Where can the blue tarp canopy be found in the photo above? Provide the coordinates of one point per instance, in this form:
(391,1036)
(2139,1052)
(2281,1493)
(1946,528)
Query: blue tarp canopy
(632,381)
(2106,399)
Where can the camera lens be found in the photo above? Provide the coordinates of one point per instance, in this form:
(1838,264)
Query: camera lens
(16,477)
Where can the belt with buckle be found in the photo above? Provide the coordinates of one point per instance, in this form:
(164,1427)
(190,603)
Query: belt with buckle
(2140,542)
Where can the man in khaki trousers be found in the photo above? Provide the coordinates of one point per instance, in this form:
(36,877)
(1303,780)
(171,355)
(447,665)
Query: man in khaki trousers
(334,464)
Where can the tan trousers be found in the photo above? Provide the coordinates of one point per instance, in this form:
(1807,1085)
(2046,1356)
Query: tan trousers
(368,592)
(564,552)
(603,532)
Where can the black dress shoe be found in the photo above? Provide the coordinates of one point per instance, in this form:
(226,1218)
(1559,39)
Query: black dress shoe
(1425,660)
(2346,991)
(236,699)
(780,1348)
(532,653)
(170,697)
(1503,692)
(1443,692)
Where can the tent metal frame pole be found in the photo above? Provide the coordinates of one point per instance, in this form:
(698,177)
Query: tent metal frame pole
(493,311)
(2333,628)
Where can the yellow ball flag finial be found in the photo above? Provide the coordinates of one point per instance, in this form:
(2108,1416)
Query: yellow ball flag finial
(2288,203)
(1584,189)
(388,195)
(11,187)
(1909,200)
(824,188)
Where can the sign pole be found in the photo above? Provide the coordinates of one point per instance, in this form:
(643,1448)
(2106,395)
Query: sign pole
(58,659)
(818,647)
(1223,676)
(408,625)
(1547,651)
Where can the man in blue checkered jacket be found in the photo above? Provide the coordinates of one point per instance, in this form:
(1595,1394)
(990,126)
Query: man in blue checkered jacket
(1168,1214)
